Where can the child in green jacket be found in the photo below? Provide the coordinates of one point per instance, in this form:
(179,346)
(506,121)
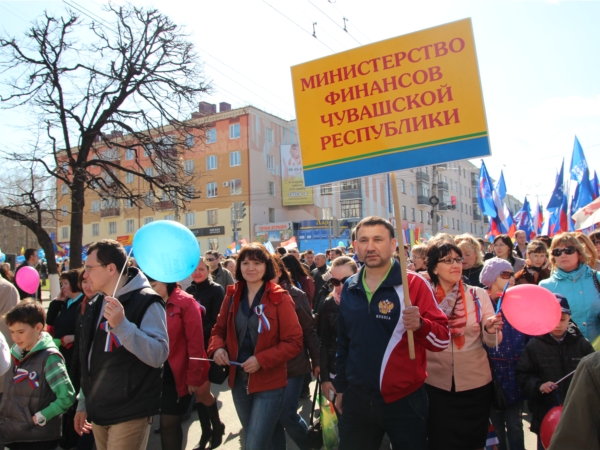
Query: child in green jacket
(37,389)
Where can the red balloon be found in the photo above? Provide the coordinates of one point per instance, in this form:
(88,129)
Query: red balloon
(549,424)
(531,309)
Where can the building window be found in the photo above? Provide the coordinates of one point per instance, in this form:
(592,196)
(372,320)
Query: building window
(112,227)
(64,232)
(188,167)
(149,199)
(420,216)
(148,220)
(326,214)
(269,134)
(128,203)
(190,219)
(271,214)
(213,243)
(64,210)
(453,224)
(327,189)
(412,214)
(64,189)
(95,229)
(351,208)
(189,193)
(270,162)
(189,140)
(165,196)
(211,135)
(212,216)
(129,226)
(95,206)
(148,148)
(128,178)
(271,188)
(350,185)
(404,213)
(235,186)
(148,171)
(234,131)
(211,162)
(402,187)
(211,189)
(129,154)
(170,217)
(412,190)
(235,159)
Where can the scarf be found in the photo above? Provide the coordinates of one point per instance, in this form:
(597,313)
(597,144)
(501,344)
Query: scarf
(453,305)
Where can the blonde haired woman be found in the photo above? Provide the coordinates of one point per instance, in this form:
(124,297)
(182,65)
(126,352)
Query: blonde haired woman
(574,278)
(472,259)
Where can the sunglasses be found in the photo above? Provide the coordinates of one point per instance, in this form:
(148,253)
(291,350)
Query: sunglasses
(566,250)
(506,275)
(335,282)
(210,259)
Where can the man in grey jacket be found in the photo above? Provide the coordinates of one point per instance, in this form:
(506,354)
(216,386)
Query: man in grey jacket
(122,345)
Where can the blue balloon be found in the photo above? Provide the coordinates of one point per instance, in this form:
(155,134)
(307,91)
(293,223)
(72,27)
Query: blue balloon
(166,250)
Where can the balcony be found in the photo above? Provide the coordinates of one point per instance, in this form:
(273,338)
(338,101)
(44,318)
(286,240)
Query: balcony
(474,183)
(422,176)
(442,186)
(442,206)
(110,212)
(475,200)
(422,200)
(476,215)
(163,206)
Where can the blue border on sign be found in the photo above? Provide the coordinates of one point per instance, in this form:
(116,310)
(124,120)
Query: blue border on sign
(436,154)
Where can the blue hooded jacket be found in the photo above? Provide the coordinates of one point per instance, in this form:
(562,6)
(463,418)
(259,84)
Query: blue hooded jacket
(583,297)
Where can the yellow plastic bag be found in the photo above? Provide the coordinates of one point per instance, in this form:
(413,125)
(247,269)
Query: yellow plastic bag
(329,424)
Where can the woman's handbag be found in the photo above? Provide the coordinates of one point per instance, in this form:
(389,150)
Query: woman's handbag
(315,435)
(218,374)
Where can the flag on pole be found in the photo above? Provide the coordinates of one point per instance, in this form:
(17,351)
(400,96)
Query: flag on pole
(484,193)
(269,247)
(579,167)
(538,219)
(503,213)
(524,220)
(556,200)
(595,187)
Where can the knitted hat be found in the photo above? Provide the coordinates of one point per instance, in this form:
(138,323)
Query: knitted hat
(564,304)
(492,269)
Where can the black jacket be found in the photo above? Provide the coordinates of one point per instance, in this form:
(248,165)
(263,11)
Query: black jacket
(328,314)
(300,364)
(317,275)
(117,385)
(64,321)
(210,295)
(545,359)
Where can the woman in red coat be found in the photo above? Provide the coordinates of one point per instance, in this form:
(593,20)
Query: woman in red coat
(258,330)
(183,376)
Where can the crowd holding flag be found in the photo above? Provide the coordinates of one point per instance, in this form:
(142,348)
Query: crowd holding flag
(569,207)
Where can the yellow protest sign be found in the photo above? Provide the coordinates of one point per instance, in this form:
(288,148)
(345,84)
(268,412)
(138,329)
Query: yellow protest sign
(405,102)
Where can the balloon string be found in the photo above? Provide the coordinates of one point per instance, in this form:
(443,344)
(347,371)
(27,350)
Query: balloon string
(565,377)
(122,270)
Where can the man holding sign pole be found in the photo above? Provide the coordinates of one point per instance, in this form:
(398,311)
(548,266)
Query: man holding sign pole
(379,389)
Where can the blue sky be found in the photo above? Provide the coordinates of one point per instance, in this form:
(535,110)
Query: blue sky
(539,63)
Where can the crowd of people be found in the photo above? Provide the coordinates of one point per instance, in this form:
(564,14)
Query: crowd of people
(117,347)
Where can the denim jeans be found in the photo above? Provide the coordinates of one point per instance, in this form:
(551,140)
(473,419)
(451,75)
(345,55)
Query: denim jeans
(294,424)
(508,424)
(258,413)
(363,423)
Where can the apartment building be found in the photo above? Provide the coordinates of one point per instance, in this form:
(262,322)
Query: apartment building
(247,155)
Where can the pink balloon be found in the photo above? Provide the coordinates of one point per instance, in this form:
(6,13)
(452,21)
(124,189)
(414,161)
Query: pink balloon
(531,309)
(549,424)
(28,279)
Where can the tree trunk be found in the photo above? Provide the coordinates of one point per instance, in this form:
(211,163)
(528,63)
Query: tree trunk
(77,204)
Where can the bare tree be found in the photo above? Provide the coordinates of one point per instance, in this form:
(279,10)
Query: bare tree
(99,89)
